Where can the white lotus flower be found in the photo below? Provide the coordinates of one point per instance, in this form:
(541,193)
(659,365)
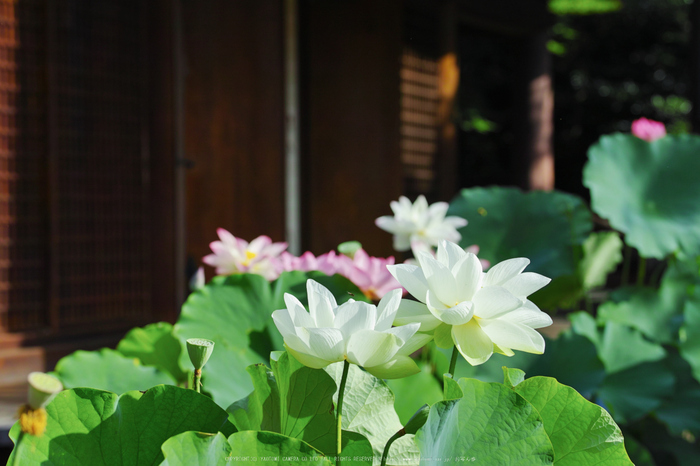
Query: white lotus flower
(420,223)
(478,312)
(358,332)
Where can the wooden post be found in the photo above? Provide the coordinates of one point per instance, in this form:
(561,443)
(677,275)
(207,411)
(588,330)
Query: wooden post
(534,157)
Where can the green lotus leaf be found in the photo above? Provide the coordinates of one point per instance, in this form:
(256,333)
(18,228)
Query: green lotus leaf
(110,370)
(600,255)
(681,411)
(656,313)
(602,252)
(573,360)
(490,424)
(507,223)
(582,323)
(254,448)
(154,345)
(512,377)
(269,448)
(414,391)
(653,312)
(690,335)
(291,399)
(368,409)
(582,433)
(632,393)
(622,347)
(226,311)
(649,191)
(94,427)
(196,449)
(451,388)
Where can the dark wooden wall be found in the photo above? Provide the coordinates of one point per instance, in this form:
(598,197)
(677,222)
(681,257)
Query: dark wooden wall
(350,100)
(234,120)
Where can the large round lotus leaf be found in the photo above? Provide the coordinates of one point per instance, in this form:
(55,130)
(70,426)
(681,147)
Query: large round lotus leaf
(490,424)
(649,191)
(368,409)
(582,433)
(507,223)
(154,345)
(250,447)
(226,311)
(94,427)
(108,369)
(292,399)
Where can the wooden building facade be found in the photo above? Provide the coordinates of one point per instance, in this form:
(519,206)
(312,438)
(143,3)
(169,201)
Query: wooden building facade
(131,130)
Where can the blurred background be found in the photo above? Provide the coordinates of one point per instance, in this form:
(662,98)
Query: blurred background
(131,130)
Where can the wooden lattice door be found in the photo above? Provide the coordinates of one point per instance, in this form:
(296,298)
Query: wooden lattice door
(75,167)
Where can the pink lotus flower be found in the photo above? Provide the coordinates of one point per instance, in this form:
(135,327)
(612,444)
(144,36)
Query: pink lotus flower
(329,263)
(233,255)
(371,275)
(305,263)
(649,130)
(368,273)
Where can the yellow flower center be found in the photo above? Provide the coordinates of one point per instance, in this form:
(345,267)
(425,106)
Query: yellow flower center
(249,256)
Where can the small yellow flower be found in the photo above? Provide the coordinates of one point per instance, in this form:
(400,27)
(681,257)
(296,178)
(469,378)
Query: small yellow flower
(32,421)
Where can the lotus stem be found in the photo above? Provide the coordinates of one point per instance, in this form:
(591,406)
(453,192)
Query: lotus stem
(394,437)
(641,271)
(339,416)
(197,379)
(453,361)
(627,254)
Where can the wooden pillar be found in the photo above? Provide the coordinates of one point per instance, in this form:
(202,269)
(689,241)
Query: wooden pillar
(350,99)
(448,85)
(533,153)
(167,257)
(234,120)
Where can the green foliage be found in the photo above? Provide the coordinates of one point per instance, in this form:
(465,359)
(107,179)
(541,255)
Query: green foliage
(573,360)
(581,432)
(617,68)
(490,423)
(195,448)
(154,345)
(293,400)
(690,335)
(556,223)
(583,7)
(622,347)
(413,392)
(267,444)
(635,392)
(600,255)
(108,369)
(95,427)
(648,191)
(234,312)
(512,377)
(368,409)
